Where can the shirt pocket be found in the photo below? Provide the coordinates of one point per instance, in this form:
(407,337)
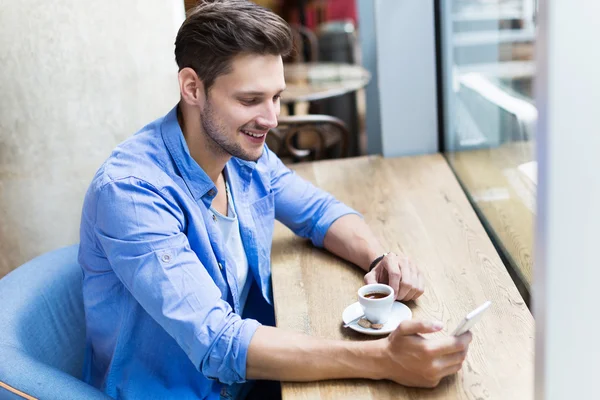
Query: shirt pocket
(263,215)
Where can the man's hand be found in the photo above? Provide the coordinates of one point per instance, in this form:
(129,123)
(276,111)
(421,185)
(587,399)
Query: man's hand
(401,274)
(351,238)
(411,360)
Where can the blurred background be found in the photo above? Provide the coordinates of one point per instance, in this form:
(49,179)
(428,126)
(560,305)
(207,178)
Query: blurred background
(365,77)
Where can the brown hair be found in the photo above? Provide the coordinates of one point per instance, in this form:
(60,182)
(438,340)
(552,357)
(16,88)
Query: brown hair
(216,31)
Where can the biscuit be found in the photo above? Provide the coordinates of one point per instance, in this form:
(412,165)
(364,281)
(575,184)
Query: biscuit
(365,323)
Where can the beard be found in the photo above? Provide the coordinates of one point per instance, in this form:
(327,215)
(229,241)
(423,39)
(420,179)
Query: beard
(218,139)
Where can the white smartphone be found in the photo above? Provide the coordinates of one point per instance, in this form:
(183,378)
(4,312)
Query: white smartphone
(471,319)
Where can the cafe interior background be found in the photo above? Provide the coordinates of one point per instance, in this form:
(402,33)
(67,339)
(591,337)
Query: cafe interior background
(506,90)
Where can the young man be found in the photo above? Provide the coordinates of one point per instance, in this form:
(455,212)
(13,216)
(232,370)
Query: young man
(176,236)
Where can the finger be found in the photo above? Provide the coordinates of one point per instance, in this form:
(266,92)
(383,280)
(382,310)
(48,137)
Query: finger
(450,360)
(407,281)
(413,326)
(416,291)
(467,336)
(421,288)
(451,370)
(411,294)
(371,277)
(394,273)
(414,282)
(451,344)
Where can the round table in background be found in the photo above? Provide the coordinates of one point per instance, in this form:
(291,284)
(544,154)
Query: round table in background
(307,82)
(318,81)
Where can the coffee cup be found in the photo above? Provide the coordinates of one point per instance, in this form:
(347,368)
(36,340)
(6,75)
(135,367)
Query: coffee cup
(376,301)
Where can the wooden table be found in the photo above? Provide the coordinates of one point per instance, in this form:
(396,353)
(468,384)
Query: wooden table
(414,205)
(504,196)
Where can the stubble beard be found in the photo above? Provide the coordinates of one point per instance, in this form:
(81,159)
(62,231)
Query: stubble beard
(218,141)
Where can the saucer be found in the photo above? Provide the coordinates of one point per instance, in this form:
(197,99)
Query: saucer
(400,312)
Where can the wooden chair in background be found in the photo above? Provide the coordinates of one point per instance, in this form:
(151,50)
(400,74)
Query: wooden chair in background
(308,138)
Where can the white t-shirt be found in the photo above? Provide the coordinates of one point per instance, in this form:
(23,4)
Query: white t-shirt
(230,230)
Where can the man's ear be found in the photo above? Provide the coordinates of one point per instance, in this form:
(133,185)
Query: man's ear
(191,87)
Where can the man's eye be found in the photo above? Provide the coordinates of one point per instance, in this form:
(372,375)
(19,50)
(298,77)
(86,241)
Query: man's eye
(250,101)
(276,97)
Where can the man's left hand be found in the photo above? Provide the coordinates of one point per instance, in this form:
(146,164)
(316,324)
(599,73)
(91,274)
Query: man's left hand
(401,274)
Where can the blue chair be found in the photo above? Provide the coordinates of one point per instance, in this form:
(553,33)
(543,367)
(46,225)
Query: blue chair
(42,330)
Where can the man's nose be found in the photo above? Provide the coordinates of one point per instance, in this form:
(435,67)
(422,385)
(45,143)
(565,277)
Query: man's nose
(268,117)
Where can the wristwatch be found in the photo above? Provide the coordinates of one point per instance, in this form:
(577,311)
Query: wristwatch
(377,260)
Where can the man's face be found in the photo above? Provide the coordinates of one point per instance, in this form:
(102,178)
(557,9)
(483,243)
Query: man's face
(243,105)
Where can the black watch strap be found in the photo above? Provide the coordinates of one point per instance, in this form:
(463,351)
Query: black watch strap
(377,260)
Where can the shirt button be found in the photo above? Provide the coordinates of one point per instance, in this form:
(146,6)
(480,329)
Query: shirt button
(220,266)
(166,258)
(211,192)
(214,218)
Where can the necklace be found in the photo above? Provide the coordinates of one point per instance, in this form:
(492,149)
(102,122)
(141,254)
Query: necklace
(227,196)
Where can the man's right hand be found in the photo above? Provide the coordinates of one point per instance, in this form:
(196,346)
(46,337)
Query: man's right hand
(404,356)
(412,360)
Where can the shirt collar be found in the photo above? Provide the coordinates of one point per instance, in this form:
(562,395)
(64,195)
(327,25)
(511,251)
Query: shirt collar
(194,176)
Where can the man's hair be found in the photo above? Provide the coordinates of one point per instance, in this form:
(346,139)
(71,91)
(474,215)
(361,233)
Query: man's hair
(216,31)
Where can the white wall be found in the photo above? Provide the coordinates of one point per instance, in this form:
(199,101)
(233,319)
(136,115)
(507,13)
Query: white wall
(567,266)
(77,78)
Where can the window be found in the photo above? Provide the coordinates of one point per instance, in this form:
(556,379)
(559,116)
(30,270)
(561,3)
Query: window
(490,117)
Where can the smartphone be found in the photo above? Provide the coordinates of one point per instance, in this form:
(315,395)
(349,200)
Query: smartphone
(471,319)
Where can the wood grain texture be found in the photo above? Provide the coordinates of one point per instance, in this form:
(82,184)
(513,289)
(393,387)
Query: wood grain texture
(16,392)
(504,196)
(415,205)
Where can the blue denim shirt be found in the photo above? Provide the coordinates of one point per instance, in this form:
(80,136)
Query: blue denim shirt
(160,291)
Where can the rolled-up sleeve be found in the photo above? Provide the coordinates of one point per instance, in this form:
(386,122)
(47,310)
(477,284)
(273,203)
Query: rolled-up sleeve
(307,210)
(141,233)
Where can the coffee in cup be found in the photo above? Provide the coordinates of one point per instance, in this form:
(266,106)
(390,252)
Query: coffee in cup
(376,301)
(376,295)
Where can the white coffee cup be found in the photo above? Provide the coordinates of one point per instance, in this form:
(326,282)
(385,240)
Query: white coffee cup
(376,310)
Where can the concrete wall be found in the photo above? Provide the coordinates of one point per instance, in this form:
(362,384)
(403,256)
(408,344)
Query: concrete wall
(398,44)
(77,78)
(368,44)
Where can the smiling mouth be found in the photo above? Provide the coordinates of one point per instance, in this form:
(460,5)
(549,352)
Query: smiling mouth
(254,135)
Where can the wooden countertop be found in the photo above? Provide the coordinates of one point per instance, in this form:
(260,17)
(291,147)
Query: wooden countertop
(415,205)
(504,196)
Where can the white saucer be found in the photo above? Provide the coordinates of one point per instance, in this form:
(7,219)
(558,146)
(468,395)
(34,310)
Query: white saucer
(400,312)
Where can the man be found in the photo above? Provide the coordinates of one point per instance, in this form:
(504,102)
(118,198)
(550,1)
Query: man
(176,236)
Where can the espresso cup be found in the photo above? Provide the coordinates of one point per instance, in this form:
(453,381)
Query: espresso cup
(376,301)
